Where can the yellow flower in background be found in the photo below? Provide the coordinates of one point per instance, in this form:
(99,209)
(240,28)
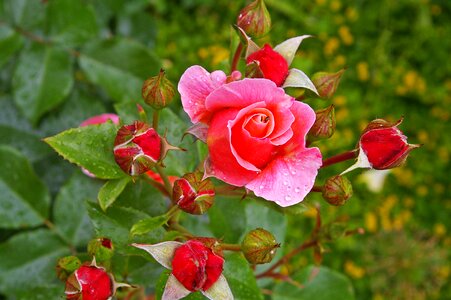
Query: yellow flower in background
(335,5)
(340,101)
(422,190)
(354,270)
(352,14)
(345,35)
(363,73)
(331,46)
(371,222)
(439,230)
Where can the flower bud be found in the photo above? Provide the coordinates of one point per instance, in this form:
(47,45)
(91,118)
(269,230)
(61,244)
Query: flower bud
(102,249)
(259,246)
(327,83)
(273,65)
(158,91)
(384,145)
(138,147)
(192,194)
(89,283)
(337,190)
(66,266)
(254,19)
(253,70)
(195,266)
(324,126)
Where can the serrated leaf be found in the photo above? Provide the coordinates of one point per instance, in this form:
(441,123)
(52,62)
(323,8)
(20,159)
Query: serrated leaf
(240,278)
(317,283)
(71,23)
(148,225)
(116,223)
(25,199)
(10,43)
(70,214)
(42,79)
(111,190)
(119,66)
(228,219)
(28,261)
(90,147)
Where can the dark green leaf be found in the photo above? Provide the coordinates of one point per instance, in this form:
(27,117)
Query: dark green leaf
(10,43)
(228,219)
(241,279)
(71,217)
(148,225)
(25,199)
(71,23)
(42,79)
(138,270)
(120,66)
(111,190)
(317,283)
(90,147)
(28,261)
(27,14)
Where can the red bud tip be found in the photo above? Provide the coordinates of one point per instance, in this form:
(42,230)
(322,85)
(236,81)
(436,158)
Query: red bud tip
(273,66)
(89,283)
(192,194)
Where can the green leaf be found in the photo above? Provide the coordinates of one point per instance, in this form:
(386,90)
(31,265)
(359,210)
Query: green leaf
(28,261)
(71,23)
(70,214)
(317,283)
(120,66)
(90,147)
(116,223)
(25,199)
(149,224)
(42,79)
(10,43)
(228,219)
(240,277)
(27,14)
(111,190)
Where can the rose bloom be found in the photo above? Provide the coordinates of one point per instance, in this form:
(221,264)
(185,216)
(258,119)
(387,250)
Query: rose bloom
(256,134)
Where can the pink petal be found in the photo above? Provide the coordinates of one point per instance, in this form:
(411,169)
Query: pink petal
(239,94)
(100,119)
(283,119)
(194,87)
(174,290)
(222,163)
(304,118)
(287,180)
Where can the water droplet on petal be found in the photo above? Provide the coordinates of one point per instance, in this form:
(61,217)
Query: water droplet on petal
(285,182)
(287,198)
(262,186)
(297,189)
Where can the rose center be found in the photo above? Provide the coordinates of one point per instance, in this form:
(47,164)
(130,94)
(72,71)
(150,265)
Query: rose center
(259,122)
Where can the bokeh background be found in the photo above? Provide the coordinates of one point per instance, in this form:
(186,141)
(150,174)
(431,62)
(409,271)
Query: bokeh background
(397,55)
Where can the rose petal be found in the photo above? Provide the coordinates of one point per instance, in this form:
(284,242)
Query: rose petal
(194,87)
(289,47)
(283,119)
(162,252)
(222,163)
(174,290)
(219,290)
(287,180)
(297,78)
(304,118)
(199,130)
(239,94)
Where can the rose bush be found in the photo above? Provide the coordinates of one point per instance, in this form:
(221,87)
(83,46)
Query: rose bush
(256,134)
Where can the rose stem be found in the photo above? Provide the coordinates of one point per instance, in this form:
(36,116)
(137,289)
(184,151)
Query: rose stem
(340,157)
(231,247)
(155,184)
(167,183)
(52,228)
(236,56)
(156,116)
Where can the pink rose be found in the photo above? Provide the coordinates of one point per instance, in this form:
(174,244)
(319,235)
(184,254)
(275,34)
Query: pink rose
(256,134)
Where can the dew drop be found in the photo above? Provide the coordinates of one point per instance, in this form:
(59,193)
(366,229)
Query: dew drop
(293,172)
(297,189)
(287,198)
(285,182)
(262,186)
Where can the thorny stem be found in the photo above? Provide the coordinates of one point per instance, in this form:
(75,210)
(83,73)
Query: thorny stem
(340,157)
(167,183)
(155,184)
(236,56)
(172,210)
(52,228)
(231,247)
(181,229)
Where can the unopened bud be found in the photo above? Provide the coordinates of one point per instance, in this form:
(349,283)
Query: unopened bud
(254,19)
(192,194)
(158,91)
(327,83)
(324,126)
(259,246)
(272,64)
(337,190)
(102,249)
(89,283)
(66,266)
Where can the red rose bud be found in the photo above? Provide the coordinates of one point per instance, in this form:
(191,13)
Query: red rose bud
(66,266)
(102,249)
(259,246)
(337,190)
(138,147)
(273,65)
(195,266)
(254,19)
(192,194)
(324,126)
(253,70)
(158,91)
(327,83)
(89,283)
(384,145)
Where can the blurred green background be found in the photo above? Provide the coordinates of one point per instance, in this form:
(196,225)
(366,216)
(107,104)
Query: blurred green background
(397,55)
